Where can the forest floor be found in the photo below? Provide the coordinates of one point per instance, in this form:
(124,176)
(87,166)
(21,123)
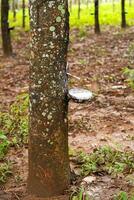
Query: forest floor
(107,120)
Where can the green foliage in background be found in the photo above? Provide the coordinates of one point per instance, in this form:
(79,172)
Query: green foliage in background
(18,22)
(109,15)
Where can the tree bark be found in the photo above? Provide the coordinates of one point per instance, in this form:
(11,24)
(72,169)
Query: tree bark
(123,14)
(96,16)
(5,30)
(48,140)
(23,13)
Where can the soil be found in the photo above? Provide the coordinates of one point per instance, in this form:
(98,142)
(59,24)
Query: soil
(108,119)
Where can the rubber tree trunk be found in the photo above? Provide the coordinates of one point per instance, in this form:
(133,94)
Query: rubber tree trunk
(123,14)
(48,140)
(96,16)
(79,8)
(5,30)
(23,13)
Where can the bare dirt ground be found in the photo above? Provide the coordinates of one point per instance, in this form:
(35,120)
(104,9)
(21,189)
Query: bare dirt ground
(106,120)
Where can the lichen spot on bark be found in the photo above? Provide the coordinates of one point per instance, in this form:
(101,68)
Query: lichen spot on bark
(61,8)
(49,117)
(43,114)
(52,28)
(58,19)
(51,4)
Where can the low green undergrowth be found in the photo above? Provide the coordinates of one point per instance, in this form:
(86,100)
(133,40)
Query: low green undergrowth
(107,160)
(13,132)
(5,171)
(129,73)
(124,196)
(104,160)
(14,124)
(4,145)
(80,194)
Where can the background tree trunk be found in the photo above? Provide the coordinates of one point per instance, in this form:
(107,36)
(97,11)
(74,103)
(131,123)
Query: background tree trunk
(6,39)
(70,5)
(23,13)
(79,8)
(96,16)
(113,2)
(14,9)
(87,3)
(48,141)
(123,14)
(130,3)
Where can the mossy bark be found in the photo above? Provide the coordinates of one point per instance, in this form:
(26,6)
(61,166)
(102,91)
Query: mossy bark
(48,140)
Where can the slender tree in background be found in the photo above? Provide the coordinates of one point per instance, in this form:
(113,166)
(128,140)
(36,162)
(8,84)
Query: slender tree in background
(5,30)
(130,3)
(79,8)
(123,14)
(70,5)
(96,16)
(87,3)
(23,13)
(14,9)
(113,2)
(48,140)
